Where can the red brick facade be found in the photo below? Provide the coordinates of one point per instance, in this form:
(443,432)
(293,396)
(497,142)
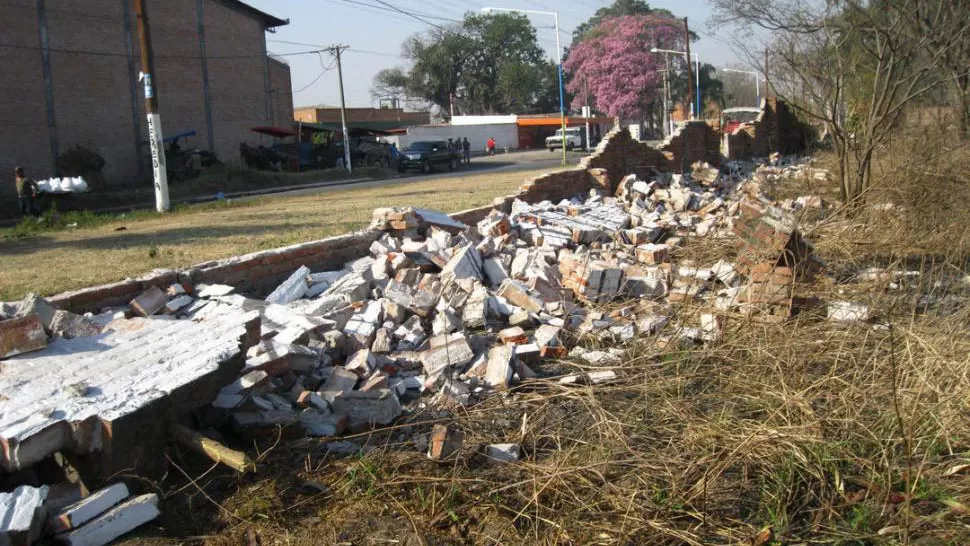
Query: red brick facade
(94,99)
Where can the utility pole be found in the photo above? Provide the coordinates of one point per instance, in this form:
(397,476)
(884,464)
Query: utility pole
(343,106)
(767,81)
(667,128)
(690,88)
(151,105)
(586,113)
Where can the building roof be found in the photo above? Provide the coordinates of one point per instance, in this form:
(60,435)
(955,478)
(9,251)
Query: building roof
(269,21)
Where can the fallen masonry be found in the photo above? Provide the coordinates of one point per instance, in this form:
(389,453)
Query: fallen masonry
(438,313)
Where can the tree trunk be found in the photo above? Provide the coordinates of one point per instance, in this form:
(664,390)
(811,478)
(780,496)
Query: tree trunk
(961,106)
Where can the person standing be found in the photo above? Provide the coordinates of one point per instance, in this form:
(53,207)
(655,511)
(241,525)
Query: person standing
(26,193)
(466,151)
(490,146)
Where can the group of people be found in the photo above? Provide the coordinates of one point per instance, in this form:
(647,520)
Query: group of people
(461,145)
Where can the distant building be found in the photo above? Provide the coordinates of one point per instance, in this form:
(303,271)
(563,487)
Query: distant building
(331,114)
(512,132)
(69,75)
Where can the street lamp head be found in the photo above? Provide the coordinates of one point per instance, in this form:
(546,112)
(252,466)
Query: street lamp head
(654,50)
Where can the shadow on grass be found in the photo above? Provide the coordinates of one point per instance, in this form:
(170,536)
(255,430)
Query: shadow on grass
(125,239)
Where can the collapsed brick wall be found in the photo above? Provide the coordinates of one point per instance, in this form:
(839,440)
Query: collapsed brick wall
(619,155)
(693,141)
(776,130)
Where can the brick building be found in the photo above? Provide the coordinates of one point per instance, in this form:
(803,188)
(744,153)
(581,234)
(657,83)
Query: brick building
(70,77)
(330,114)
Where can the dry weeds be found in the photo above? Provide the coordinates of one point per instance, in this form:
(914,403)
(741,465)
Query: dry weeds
(807,432)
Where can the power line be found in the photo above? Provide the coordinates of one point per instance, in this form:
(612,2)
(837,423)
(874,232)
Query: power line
(323,70)
(411,15)
(179,57)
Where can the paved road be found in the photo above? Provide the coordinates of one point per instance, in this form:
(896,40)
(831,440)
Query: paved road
(510,162)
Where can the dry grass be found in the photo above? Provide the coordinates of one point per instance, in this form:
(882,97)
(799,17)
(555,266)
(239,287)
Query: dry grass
(52,262)
(809,432)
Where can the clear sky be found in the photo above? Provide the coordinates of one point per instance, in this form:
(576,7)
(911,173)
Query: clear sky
(375,33)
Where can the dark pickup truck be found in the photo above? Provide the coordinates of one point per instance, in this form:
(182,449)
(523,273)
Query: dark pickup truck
(426,154)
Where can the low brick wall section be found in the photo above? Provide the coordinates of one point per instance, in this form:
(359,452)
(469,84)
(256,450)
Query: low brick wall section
(693,141)
(619,155)
(776,130)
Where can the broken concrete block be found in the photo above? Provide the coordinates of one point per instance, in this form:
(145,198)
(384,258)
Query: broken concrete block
(379,406)
(175,290)
(150,301)
(310,399)
(69,325)
(513,336)
(214,290)
(87,508)
(382,341)
(353,287)
(446,351)
(394,219)
(21,335)
(652,254)
(118,521)
(445,321)
(503,453)
(378,380)
(321,423)
(22,515)
(292,289)
(340,380)
(847,311)
(263,423)
(177,303)
(498,374)
(494,271)
(361,363)
(252,379)
(597,377)
(439,220)
(445,441)
(473,315)
(362,327)
(33,304)
(464,268)
(518,294)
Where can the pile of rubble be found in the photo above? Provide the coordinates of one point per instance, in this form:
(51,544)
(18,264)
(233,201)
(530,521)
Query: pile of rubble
(456,311)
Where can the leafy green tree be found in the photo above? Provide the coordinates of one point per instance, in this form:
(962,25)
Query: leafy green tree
(487,64)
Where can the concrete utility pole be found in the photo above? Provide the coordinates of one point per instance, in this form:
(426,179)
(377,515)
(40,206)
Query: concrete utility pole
(343,107)
(586,113)
(690,89)
(151,105)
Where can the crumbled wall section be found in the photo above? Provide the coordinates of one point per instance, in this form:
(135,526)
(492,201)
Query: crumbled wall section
(619,155)
(692,142)
(776,130)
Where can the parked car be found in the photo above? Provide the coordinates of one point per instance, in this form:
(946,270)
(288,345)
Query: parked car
(426,154)
(574,139)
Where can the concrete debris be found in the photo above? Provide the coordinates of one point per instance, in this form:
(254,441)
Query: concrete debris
(149,302)
(114,523)
(445,441)
(846,311)
(22,515)
(87,509)
(21,335)
(503,453)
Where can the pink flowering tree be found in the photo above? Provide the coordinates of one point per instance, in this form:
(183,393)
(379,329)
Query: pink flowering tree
(615,66)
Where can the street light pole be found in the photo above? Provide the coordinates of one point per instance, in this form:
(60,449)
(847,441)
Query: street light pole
(562,93)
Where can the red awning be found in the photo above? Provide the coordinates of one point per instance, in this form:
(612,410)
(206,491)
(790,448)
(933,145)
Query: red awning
(277,132)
